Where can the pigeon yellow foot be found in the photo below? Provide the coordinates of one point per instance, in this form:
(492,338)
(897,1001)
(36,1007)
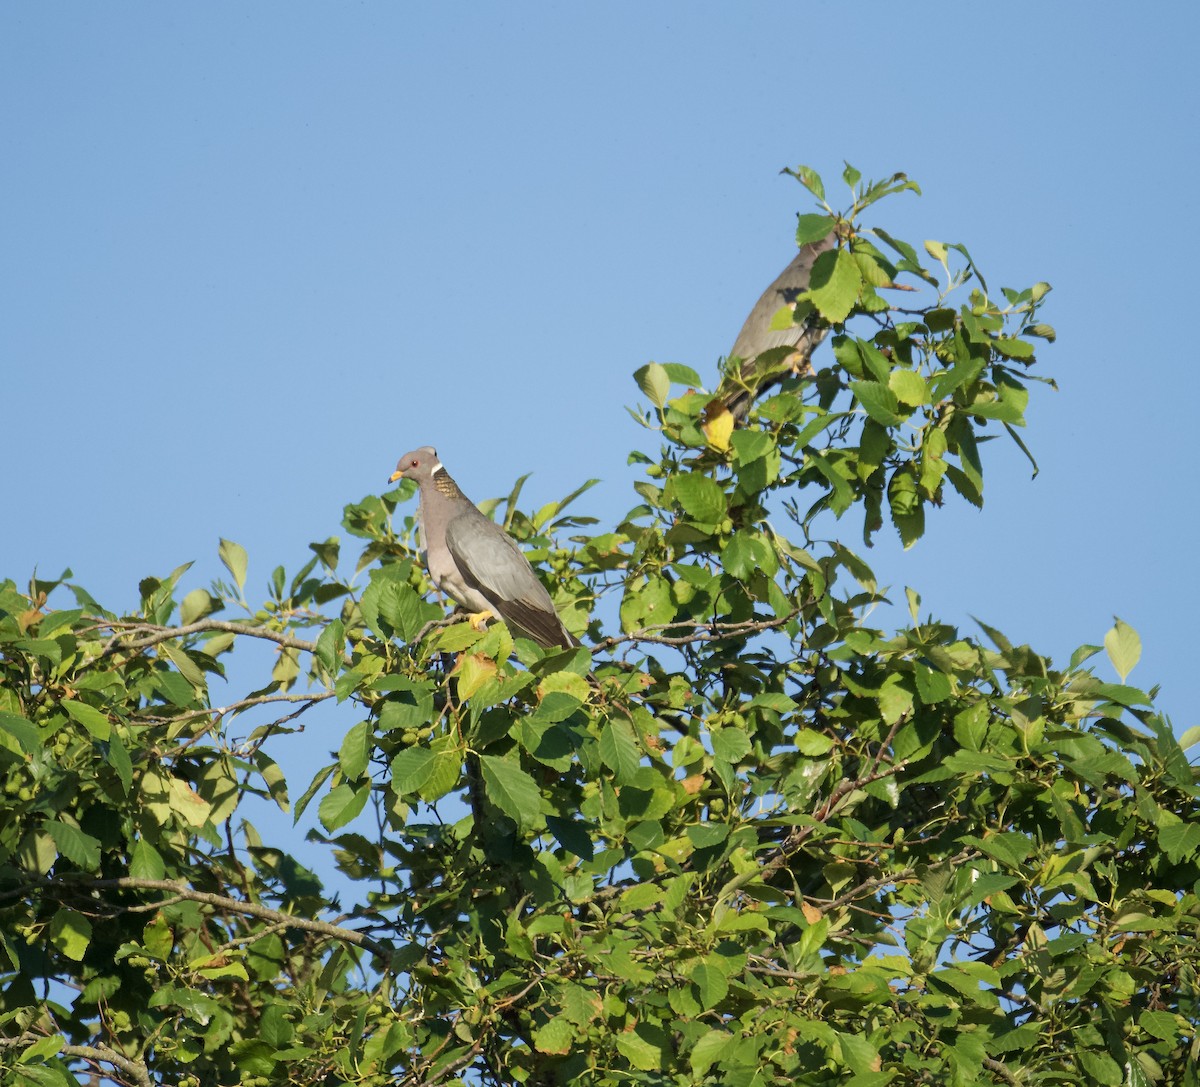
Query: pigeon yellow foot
(478,619)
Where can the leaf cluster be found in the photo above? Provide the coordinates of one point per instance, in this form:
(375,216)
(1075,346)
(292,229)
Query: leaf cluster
(743,838)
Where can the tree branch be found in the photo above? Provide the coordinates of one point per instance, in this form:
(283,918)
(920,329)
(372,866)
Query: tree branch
(135,1069)
(251,909)
(155,633)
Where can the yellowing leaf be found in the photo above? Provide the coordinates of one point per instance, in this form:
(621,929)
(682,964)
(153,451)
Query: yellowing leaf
(187,803)
(473,671)
(717,429)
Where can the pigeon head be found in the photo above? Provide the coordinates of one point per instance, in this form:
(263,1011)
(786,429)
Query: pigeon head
(419,465)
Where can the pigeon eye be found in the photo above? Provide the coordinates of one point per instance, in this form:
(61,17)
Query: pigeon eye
(415,463)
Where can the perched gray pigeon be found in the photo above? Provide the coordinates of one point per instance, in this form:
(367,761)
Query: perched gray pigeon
(473,560)
(757,335)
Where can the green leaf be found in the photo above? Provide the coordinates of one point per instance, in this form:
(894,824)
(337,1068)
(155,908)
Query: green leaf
(895,700)
(355,753)
(909,386)
(555,1036)
(1159,1024)
(319,779)
(702,498)
(647,604)
(445,771)
(25,736)
(812,228)
(619,750)
(679,375)
(274,1026)
(411,769)
(92,719)
(641,1053)
(654,381)
(196,605)
(861,1057)
(712,985)
(1100,1069)
(572,835)
(71,933)
(235,559)
(706,835)
(79,848)
(1011,348)
(709,1049)
(751,445)
(812,743)
(841,497)
(118,759)
(390,606)
(1181,841)
(878,401)
(273,778)
(810,179)
(731,744)
(747,552)
(512,790)
(932,686)
(186,666)
(341,805)
(49,1046)
(145,862)
(331,646)
(327,552)
(1124,648)
(835,285)
(455,638)
(1001,410)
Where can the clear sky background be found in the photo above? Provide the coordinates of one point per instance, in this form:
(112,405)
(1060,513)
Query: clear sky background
(251,253)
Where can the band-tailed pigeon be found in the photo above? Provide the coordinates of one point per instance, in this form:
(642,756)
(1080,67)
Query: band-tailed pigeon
(757,335)
(473,560)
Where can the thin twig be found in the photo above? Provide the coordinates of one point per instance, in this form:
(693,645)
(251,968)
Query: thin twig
(700,631)
(258,700)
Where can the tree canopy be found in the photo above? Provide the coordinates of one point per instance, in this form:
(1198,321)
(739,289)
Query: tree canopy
(740,837)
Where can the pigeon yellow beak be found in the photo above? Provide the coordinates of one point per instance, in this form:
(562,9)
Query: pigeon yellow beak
(395,476)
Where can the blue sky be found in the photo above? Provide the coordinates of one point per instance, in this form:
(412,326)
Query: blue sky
(250,253)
